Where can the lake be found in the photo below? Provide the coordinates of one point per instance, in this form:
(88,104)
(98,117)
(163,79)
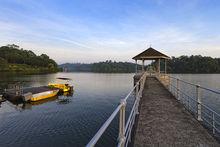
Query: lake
(73,120)
(64,121)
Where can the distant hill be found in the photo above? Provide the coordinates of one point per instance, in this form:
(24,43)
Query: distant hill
(100,67)
(15,59)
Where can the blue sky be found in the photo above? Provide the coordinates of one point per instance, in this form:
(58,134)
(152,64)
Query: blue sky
(98,30)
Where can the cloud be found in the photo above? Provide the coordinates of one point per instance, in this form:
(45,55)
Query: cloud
(81,38)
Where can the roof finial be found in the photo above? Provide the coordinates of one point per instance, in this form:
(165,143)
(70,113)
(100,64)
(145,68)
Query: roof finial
(150,45)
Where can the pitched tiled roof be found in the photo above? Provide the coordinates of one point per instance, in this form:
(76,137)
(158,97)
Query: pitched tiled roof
(150,53)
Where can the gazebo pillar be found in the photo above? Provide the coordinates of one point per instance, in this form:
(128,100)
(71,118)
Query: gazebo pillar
(152,54)
(136,67)
(142,65)
(165,64)
(159,66)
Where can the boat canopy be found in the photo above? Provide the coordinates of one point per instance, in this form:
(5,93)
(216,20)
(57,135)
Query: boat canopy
(64,78)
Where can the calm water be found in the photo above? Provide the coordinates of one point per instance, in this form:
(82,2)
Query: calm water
(64,121)
(72,121)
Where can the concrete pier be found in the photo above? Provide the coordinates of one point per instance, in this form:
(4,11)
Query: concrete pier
(164,122)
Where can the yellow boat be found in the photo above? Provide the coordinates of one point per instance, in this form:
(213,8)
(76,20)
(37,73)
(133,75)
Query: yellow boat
(44,95)
(63,87)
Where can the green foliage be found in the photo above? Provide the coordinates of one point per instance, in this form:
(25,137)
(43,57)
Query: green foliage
(3,64)
(194,64)
(113,67)
(13,57)
(101,67)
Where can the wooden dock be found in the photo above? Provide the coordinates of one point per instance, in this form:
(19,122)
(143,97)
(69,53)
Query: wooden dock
(163,121)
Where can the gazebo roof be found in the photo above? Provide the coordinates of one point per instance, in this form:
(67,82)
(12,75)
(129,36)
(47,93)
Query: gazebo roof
(150,54)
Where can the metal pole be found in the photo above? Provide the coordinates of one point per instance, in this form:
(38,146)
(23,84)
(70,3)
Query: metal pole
(213,123)
(177,91)
(122,124)
(199,107)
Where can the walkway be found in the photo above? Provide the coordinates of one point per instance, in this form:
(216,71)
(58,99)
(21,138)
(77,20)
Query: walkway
(163,121)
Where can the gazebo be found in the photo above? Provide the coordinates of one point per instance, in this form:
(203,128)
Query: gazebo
(152,54)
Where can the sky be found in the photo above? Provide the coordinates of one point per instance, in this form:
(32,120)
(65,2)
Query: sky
(89,31)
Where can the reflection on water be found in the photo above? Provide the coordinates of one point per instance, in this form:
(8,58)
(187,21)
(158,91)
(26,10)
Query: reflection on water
(73,119)
(70,119)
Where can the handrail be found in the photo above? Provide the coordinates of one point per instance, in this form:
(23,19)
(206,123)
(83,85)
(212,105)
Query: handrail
(176,91)
(94,140)
(124,128)
(203,87)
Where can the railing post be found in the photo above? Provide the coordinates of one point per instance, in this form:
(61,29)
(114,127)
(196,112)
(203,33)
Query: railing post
(137,89)
(122,124)
(213,123)
(199,107)
(169,86)
(137,98)
(178,89)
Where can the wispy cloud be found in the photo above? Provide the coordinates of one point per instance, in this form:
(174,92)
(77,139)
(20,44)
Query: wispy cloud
(100,34)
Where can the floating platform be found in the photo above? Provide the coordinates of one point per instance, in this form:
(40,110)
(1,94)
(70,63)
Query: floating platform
(31,94)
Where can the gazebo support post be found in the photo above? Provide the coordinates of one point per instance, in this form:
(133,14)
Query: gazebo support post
(159,66)
(136,70)
(142,65)
(165,68)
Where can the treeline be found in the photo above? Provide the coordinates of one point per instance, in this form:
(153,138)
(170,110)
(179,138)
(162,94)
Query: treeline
(194,64)
(182,64)
(100,67)
(113,67)
(14,58)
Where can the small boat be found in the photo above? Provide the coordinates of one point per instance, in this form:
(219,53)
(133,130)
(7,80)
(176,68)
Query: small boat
(64,87)
(44,94)
(31,94)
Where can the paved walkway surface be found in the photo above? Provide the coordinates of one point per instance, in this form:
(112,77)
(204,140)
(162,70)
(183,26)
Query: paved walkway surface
(163,121)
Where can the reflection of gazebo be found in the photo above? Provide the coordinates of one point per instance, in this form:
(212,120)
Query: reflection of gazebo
(152,54)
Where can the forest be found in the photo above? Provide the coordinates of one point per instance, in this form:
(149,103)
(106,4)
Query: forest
(101,67)
(16,59)
(194,64)
(183,64)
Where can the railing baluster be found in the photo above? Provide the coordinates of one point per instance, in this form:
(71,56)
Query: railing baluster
(177,90)
(122,124)
(213,123)
(199,107)
(188,103)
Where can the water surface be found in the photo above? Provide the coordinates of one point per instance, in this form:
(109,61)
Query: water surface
(72,121)
(63,121)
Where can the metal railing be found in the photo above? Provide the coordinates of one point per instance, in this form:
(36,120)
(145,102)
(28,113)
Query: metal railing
(125,128)
(192,101)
